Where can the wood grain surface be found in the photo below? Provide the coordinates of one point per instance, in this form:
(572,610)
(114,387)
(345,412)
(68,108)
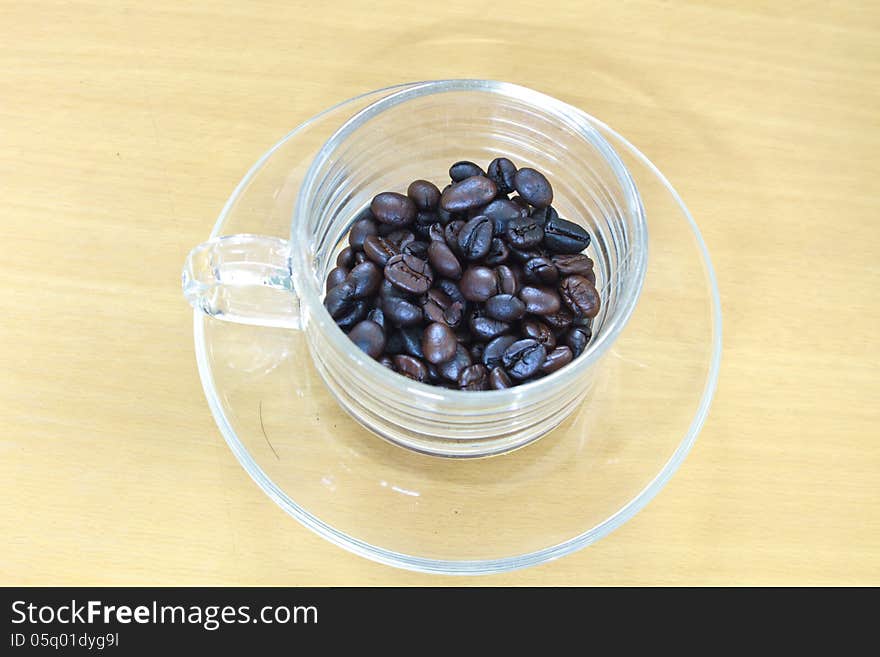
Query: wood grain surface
(124,126)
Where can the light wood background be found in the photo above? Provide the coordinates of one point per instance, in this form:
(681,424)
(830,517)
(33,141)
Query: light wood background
(124,126)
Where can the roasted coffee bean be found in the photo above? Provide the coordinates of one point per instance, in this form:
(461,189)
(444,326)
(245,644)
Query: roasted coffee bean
(394,342)
(365,279)
(463,335)
(502,212)
(385,361)
(508,280)
(336,277)
(424,194)
(452,290)
(474,377)
(540,300)
(345,258)
(563,236)
(502,172)
(401,312)
(522,256)
(422,225)
(486,328)
(339,300)
(557,359)
(359,232)
(438,343)
(411,367)
(379,249)
(409,273)
(478,283)
(524,233)
(543,215)
(433,373)
(359,258)
(369,338)
(357,311)
(580,295)
(577,340)
(393,208)
(540,270)
(400,237)
(436,233)
(560,320)
(464,169)
(524,358)
(524,204)
(452,368)
(376,315)
(469,193)
(412,341)
(453,228)
(591,276)
(387,290)
(533,187)
(540,331)
(443,260)
(417,248)
(499,380)
(494,351)
(476,351)
(444,216)
(569,265)
(505,307)
(498,252)
(475,238)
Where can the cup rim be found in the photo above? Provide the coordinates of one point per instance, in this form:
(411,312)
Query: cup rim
(577,120)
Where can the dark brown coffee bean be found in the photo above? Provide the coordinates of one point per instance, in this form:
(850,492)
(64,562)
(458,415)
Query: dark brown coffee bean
(474,377)
(417,248)
(557,359)
(522,256)
(365,279)
(524,204)
(478,283)
(508,279)
(502,212)
(438,343)
(475,238)
(369,338)
(411,337)
(464,169)
(451,231)
(494,351)
(393,208)
(451,369)
(543,215)
(411,367)
(469,193)
(339,300)
(401,312)
(345,258)
(376,315)
(476,351)
(505,307)
(577,339)
(591,276)
(433,373)
(502,172)
(580,295)
(409,273)
(379,249)
(560,320)
(540,270)
(359,232)
(572,264)
(524,233)
(444,216)
(400,237)
(499,380)
(538,330)
(524,358)
(533,187)
(443,260)
(358,311)
(498,252)
(385,361)
(563,236)
(486,328)
(436,233)
(540,300)
(359,258)
(394,342)
(424,194)
(336,277)
(422,225)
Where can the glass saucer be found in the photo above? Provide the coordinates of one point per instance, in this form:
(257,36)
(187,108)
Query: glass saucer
(473,516)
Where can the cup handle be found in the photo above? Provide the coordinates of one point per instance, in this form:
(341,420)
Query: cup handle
(244,279)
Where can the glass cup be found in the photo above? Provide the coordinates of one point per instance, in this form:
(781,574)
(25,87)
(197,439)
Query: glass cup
(331,167)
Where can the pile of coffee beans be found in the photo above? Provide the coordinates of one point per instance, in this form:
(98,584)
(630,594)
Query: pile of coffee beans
(468,288)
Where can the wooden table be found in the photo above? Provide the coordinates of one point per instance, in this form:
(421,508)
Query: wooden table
(124,126)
